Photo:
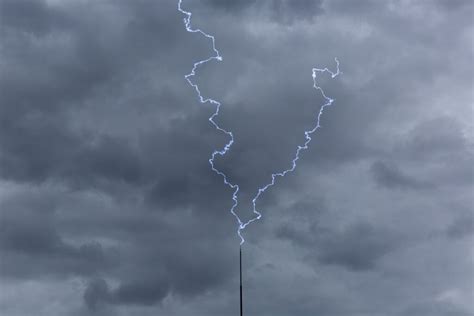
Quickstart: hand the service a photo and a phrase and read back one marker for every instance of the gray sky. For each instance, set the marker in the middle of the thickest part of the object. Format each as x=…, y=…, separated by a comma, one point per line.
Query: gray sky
x=109, y=207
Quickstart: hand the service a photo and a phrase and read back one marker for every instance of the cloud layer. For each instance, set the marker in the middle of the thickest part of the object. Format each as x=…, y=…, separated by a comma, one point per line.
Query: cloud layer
x=108, y=205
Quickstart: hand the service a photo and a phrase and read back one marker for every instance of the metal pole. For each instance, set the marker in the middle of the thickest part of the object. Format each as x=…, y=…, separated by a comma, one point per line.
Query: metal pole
x=240, y=259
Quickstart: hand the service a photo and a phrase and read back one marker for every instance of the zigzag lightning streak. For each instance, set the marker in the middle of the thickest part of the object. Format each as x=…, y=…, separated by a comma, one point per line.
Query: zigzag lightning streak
x=226, y=148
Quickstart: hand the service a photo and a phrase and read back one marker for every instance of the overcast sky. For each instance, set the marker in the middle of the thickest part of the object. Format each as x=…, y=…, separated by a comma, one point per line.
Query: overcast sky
x=108, y=204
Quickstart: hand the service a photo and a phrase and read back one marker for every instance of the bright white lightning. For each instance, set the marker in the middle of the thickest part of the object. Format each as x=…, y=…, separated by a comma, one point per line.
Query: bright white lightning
x=308, y=139
x=223, y=151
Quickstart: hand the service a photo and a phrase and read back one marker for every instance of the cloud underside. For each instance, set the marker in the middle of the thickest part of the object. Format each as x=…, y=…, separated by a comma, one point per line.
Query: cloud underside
x=108, y=205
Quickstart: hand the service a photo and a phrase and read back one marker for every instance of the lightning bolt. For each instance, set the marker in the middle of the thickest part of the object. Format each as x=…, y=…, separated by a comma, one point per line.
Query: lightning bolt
x=308, y=133
x=235, y=187
x=217, y=56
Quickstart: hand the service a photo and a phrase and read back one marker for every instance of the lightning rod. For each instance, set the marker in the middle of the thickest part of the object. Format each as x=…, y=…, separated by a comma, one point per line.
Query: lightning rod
x=240, y=260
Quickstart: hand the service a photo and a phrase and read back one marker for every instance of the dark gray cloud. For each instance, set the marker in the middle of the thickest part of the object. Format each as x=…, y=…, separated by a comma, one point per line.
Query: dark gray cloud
x=32, y=16
x=357, y=248
x=229, y=5
x=96, y=292
x=390, y=176
x=28, y=232
x=282, y=11
x=108, y=205
x=462, y=227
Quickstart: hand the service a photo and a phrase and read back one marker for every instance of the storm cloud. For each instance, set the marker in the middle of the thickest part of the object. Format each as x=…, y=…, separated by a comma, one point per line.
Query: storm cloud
x=108, y=205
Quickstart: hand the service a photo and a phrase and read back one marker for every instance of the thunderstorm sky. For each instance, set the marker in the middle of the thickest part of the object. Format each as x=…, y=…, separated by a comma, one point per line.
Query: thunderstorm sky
x=108, y=205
